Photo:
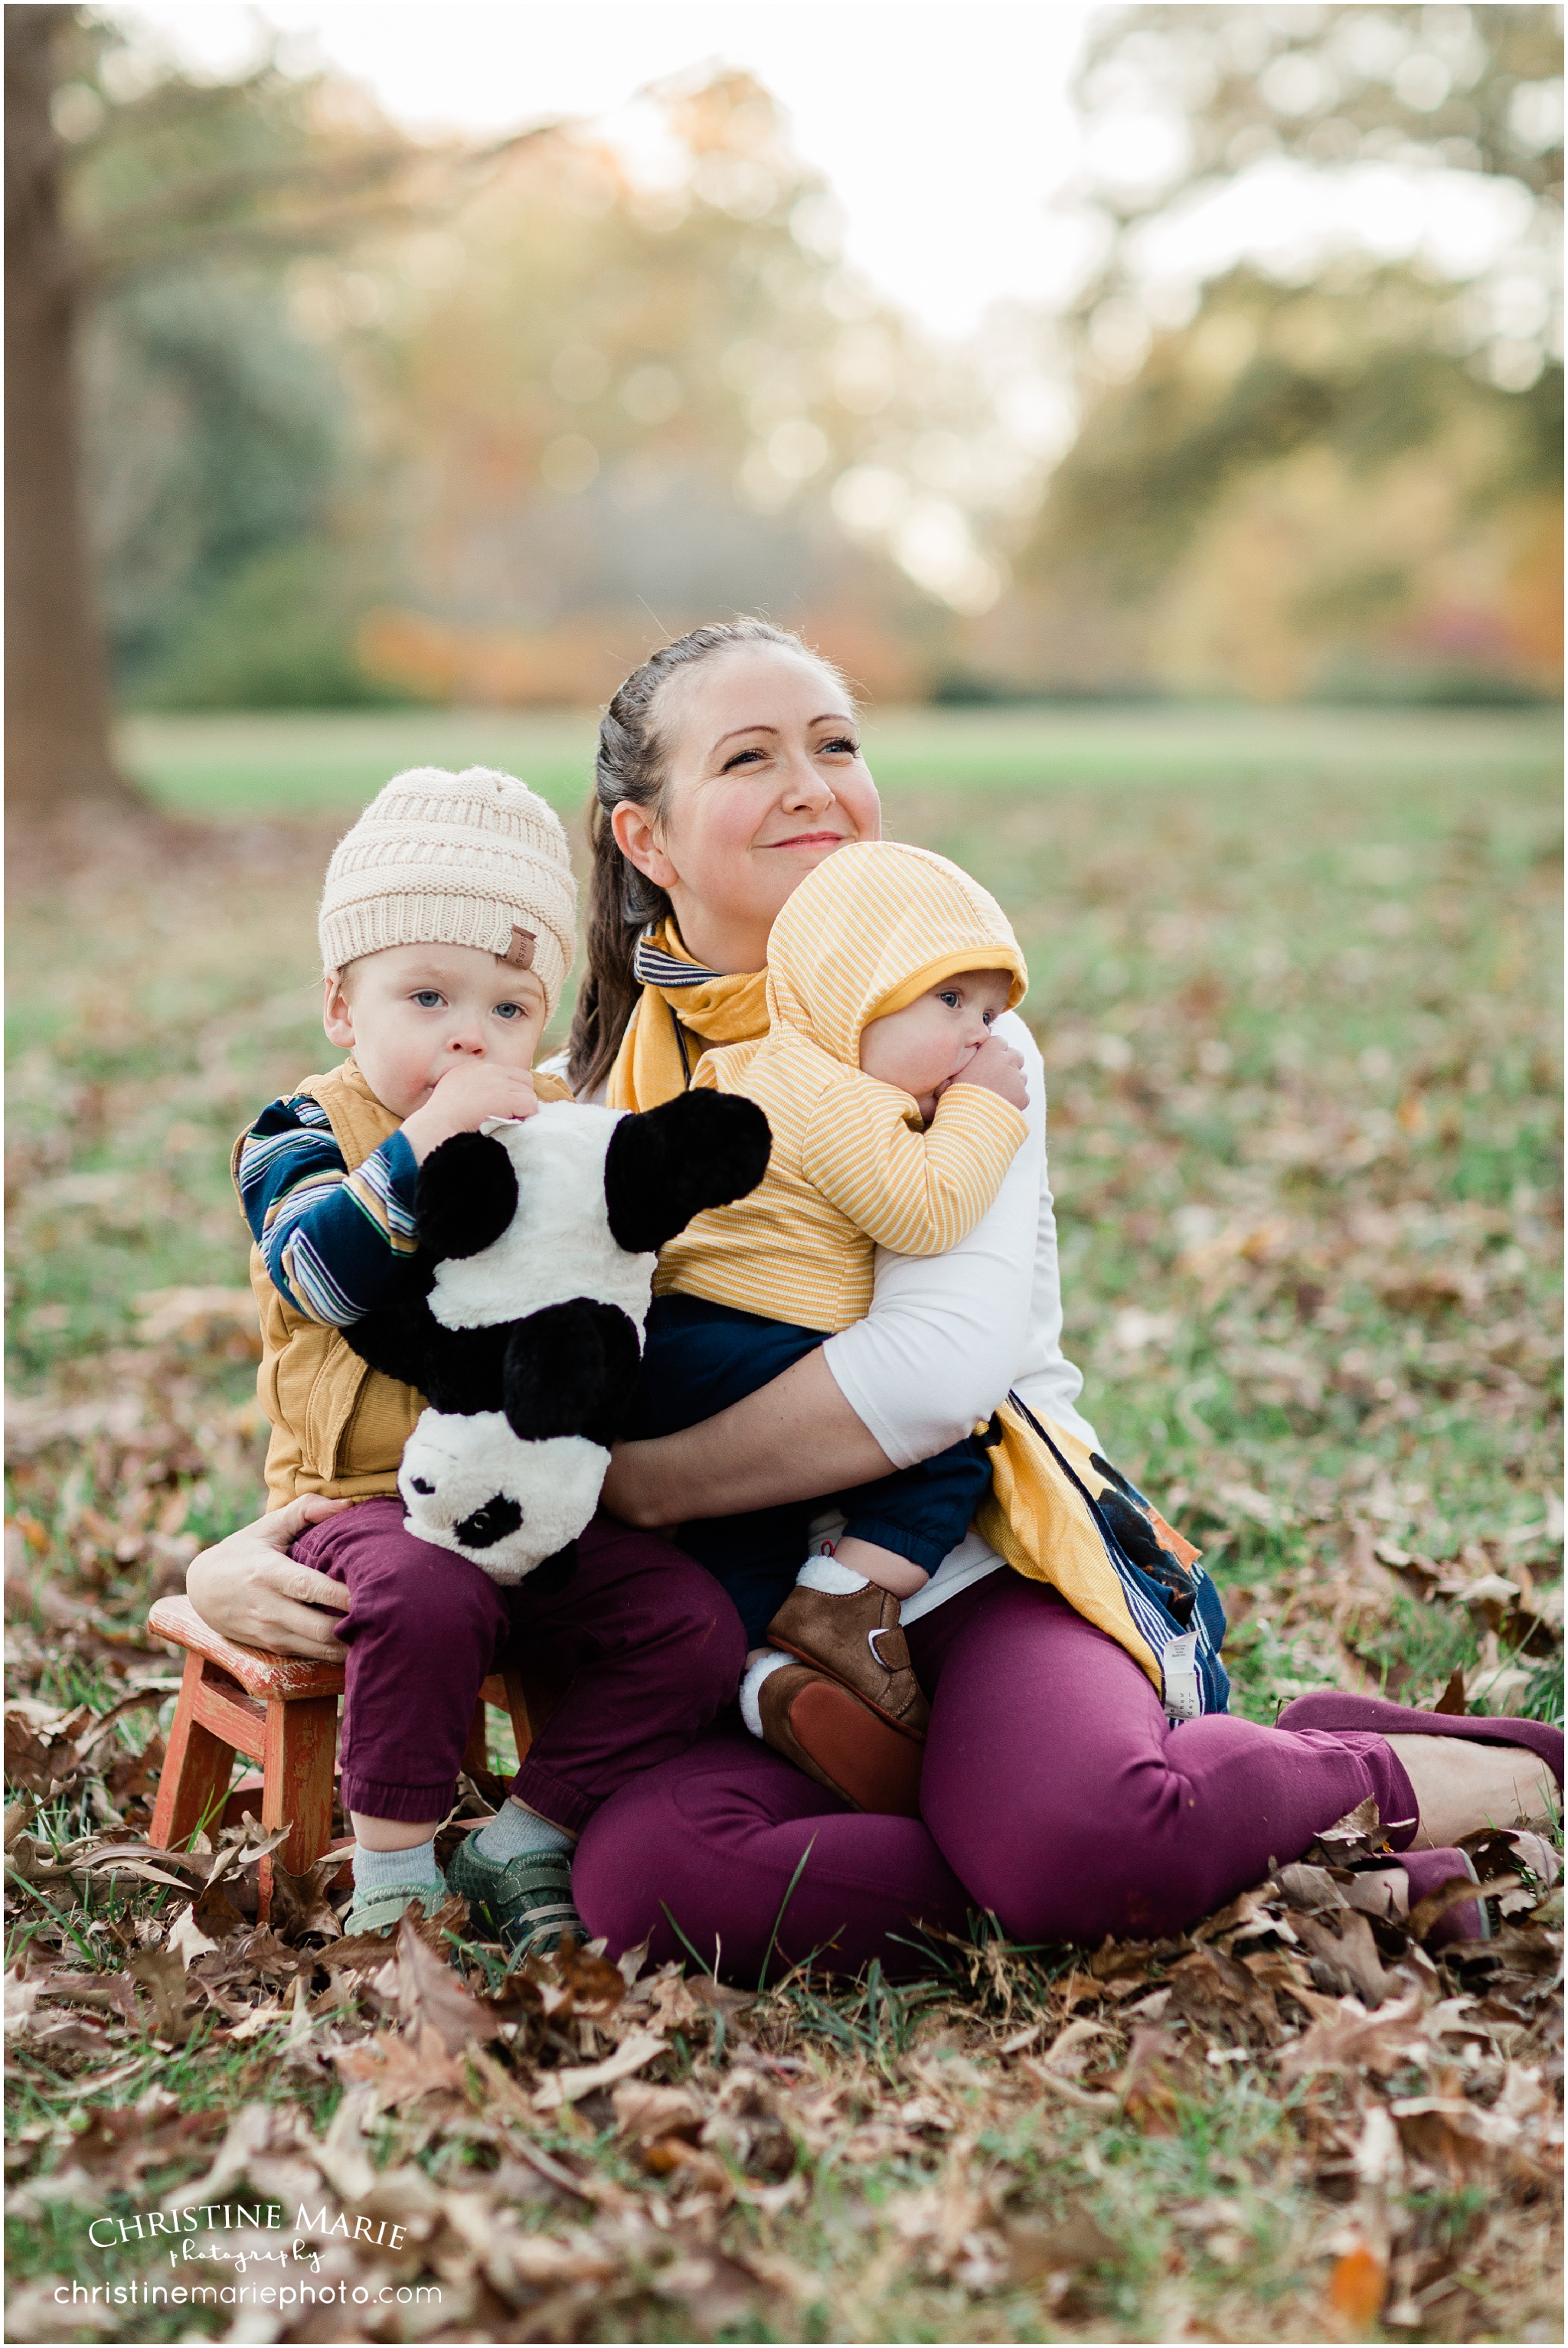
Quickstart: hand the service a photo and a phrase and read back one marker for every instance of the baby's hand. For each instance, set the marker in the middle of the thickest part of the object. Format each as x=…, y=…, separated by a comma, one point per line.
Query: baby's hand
x=997, y=1068
x=465, y=1097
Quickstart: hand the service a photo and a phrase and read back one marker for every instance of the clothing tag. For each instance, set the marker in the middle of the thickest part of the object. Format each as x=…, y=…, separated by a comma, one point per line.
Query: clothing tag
x=1178, y=1669
x=520, y=954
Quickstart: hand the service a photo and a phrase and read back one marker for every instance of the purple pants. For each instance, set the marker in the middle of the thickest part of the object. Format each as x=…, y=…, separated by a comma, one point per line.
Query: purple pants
x=1054, y=1793
x=644, y=1644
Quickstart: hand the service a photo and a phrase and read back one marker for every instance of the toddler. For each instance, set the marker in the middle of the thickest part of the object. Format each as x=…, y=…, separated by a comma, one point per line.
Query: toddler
x=894, y=1125
x=447, y=934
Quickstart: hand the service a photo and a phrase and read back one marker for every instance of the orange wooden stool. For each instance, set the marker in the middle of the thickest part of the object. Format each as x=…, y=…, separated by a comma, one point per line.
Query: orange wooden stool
x=282, y=1711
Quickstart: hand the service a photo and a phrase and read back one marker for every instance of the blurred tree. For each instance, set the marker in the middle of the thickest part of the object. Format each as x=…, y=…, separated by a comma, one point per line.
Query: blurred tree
x=128, y=180
x=614, y=402
x=1279, y=486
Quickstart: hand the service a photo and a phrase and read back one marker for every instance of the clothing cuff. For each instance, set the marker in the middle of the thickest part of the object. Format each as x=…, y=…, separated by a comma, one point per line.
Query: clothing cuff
x=551, y=1798
x=979, y=1108
x=397, y=1154
x=927, y=1554
x=409, y=1805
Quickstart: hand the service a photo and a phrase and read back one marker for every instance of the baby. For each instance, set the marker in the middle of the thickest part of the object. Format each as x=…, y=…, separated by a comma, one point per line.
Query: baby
x=447, y=934
x=894, y=1125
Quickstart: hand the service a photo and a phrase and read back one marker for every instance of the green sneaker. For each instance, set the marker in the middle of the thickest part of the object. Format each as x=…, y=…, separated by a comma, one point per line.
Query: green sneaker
x=526, y=1901
x=379, y=1911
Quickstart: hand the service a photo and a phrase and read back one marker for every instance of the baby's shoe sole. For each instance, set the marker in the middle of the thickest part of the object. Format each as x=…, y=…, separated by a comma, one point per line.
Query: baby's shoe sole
x=840, y=1742
x=378, y=1911
x=526, y=1903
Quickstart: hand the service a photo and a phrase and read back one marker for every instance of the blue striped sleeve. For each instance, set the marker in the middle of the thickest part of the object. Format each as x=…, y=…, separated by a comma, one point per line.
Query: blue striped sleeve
x=336, y=1244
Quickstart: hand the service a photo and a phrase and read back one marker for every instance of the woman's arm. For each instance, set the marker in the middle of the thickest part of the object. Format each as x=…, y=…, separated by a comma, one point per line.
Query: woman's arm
x=791, y=1440
x=945, y=1337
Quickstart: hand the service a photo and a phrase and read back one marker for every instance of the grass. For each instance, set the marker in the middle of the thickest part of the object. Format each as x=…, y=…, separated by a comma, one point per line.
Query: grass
x=1294, y=977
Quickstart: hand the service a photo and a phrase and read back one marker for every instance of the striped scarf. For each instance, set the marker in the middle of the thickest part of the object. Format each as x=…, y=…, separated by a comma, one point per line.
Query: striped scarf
x=684, y=1009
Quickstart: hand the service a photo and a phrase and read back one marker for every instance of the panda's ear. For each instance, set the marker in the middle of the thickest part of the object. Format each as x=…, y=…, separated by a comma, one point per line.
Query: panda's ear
x=701, y=1150
x=466, y=1195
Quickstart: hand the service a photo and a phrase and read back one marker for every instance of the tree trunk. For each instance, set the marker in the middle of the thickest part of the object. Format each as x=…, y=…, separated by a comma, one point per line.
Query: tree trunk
x=56, y=685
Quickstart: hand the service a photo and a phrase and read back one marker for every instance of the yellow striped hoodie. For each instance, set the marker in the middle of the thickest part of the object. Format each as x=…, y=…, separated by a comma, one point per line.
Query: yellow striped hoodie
x=852, y=1168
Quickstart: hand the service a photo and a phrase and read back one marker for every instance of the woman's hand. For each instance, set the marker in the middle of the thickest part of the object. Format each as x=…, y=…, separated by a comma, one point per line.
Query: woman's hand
x=249, y=1588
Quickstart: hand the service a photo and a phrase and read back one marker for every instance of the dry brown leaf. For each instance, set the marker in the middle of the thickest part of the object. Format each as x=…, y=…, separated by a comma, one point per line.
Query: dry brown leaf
x=1345, y=1955
x=1356, y=2039
x=431, y=1999
x=399, y=2072
x=646, y=2112
x=571, y=2084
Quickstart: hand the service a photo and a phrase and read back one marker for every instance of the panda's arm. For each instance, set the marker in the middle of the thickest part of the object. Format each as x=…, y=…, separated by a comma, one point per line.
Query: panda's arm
x=701, y=1150
x=395, y=1340
x=465, y=1197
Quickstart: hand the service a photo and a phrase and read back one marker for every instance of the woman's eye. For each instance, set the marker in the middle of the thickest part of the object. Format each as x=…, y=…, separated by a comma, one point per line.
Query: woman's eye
x=743, y=758
x=842, y=742
x=427, y=999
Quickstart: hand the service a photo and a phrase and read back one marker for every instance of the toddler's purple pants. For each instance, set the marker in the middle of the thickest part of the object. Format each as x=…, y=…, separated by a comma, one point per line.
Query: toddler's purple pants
x=643, y=1643
x=1054, y=1792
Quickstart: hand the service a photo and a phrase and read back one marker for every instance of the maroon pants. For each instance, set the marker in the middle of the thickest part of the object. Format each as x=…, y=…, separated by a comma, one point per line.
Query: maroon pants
x=644, y=1642
x=1054, y=1793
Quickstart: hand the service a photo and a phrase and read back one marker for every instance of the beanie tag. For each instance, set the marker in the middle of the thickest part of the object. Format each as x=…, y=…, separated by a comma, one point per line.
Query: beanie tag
x=520, y=954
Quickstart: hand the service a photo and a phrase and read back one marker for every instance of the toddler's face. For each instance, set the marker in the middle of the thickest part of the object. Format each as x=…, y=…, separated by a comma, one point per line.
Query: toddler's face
x=412, y=1013
x=928, y=1044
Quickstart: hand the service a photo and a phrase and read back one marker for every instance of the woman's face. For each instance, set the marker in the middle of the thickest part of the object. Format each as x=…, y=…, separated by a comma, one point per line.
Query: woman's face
x=765, y=779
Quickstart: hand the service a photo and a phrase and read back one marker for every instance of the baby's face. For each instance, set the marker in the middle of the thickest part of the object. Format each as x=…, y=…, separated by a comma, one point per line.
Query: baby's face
x=928, y=1044
x=411, y=1014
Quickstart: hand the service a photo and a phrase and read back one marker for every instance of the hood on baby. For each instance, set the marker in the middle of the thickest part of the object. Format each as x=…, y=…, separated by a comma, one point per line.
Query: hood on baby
x=873, y=926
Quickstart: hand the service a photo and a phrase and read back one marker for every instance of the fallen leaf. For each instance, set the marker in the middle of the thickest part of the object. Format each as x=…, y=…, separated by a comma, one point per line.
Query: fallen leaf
x=1356, y=2287
x=431, y=1999
x=1452, y=1698
x=1345, y=1955
x=398, y=2072
x=647, y=2112
x=569, y=2085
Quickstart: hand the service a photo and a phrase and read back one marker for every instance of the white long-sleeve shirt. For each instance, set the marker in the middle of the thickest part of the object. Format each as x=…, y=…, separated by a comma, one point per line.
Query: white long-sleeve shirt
x=948, y=1335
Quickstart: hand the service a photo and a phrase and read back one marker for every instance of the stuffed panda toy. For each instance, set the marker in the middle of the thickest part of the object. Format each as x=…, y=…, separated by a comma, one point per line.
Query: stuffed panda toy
x=538, y=1241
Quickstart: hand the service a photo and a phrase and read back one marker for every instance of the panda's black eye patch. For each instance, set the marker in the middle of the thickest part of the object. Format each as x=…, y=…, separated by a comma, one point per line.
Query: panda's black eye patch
x=420, y=1485
x=482, y=1530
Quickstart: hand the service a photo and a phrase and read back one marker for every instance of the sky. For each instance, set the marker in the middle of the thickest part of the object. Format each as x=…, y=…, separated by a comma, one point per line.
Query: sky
x=946, y=127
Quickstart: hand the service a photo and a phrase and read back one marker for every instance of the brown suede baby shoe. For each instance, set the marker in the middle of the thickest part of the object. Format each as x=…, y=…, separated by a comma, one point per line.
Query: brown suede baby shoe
x=831, y=1735
x=857, y=1638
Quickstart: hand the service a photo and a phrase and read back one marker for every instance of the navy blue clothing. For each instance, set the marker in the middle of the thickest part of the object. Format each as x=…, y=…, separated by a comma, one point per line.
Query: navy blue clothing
x=699, y=1358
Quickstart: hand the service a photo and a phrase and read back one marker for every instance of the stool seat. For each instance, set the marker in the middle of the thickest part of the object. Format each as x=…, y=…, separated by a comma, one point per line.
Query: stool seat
x=259, y=1672
x=282, y=1711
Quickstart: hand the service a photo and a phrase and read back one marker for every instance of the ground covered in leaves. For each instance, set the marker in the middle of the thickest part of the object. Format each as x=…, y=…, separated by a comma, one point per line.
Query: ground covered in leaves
x=1302, y=1054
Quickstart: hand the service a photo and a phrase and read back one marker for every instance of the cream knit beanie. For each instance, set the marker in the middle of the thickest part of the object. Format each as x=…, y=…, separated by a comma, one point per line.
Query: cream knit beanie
x=443, y=860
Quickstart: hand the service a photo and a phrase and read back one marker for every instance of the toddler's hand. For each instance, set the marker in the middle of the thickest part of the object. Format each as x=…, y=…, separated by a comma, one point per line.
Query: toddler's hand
x=465, y=1095
x=997, y=1068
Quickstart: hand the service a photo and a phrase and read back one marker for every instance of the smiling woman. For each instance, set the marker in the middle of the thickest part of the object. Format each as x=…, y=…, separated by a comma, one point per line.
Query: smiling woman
x=761, y=782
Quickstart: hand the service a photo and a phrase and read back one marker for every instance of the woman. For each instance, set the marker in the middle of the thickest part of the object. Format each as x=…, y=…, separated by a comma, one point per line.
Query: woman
x=1053, y=1791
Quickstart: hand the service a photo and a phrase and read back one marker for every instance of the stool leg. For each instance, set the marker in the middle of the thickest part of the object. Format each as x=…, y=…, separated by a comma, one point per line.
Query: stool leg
x=517, y=1705
x=301, y=1737
x=195, y=1774
x=476, y=1751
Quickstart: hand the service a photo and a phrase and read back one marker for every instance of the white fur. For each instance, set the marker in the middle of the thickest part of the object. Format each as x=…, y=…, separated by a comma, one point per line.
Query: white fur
x=751, y=1687
x=469, y=1459
x=827, y=1573
x=558, y=1244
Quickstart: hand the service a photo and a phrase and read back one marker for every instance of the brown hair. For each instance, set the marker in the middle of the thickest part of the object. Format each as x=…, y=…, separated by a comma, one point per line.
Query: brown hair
x=631, y=764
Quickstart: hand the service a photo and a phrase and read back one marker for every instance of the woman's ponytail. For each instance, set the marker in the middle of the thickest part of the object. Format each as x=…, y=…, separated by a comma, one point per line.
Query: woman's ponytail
x=631, y=764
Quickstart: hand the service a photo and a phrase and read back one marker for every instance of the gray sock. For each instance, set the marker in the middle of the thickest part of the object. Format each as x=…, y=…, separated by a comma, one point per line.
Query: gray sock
x=374, y=1870
x=513, y=1830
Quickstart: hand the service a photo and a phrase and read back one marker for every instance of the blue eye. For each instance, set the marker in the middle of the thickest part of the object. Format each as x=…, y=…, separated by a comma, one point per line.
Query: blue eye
x=508, y=1011
x=951, y=996
x=429, y=999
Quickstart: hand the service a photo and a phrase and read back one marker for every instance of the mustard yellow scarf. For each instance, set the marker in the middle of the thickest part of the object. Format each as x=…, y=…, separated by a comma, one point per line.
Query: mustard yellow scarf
x=684, y=1009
